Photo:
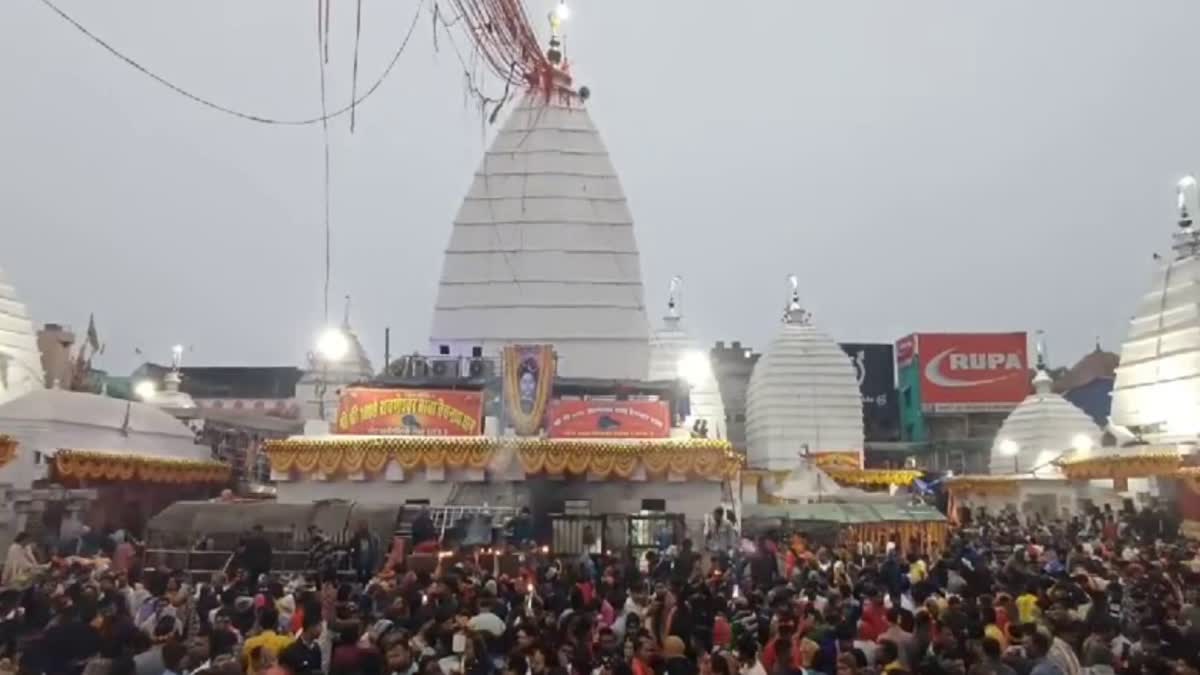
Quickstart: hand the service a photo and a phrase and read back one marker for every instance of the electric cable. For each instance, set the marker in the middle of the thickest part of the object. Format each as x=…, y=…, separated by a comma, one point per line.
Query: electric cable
x=250, y=117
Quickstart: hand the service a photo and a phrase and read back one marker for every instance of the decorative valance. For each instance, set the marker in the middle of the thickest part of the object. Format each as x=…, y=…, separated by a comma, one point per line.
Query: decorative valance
x=983, y=485
x=873, y=477
x=1141, y=464
x=90, y=465
x=691, y=457
x=8, y=449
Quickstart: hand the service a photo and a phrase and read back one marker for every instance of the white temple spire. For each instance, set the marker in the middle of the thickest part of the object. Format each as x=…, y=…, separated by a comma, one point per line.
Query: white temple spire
x=542, y=250
x=794, y=313
x=674, y=299
x=1186, y=238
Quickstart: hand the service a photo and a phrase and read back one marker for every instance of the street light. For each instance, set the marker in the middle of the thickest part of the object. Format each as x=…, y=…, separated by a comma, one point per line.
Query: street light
x=1010, y=447
x=562, y=12
x=694, y=367
x=145, y=390
x=1081, y=443
x=333, y=345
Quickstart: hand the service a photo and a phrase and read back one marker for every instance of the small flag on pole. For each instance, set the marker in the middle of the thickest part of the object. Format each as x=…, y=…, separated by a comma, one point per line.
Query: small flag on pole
x=93, y=337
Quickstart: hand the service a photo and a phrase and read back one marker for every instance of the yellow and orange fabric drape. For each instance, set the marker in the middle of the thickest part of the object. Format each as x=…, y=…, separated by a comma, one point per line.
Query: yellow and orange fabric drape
x=372, y=455
x=982, y=485
x=929, y=536
x=8, y=449
x=693, y=457
x=846, y=468
x=83, y=465
x=1140, y=465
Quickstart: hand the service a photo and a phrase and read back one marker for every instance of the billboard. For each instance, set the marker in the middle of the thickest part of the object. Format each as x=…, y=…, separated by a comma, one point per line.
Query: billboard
x=875, y=366
x=969, y=372
x=608, y=419
x=410, y=412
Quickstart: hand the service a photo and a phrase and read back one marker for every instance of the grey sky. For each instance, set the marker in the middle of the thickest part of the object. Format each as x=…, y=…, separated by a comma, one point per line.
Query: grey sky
x=931, y=165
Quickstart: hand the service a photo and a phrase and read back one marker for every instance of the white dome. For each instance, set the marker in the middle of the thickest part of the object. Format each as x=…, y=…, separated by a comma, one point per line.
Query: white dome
x=49, y=420
x=1157, y=389
x=20, y=360
x=93, y=410
x=674, y=354
x=1042, y=428
x=543, y=251
x=803, y=393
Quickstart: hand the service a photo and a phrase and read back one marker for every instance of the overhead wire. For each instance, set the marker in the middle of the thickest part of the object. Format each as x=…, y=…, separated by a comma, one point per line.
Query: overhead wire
x=322, y=60
x=250, y=117
x=354, y=76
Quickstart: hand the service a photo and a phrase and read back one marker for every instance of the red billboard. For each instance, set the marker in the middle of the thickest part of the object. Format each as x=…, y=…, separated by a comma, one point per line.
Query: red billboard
x=962, y=372
x=410, y=412
x=608, y=419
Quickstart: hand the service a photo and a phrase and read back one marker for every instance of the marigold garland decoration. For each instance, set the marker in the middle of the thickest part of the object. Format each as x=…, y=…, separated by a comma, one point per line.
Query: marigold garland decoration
x=982, y=485
x=8, y=449
x=873, y=477
x=704, y=458
x=83, y=465
x=1140, y=465
x=828, y=461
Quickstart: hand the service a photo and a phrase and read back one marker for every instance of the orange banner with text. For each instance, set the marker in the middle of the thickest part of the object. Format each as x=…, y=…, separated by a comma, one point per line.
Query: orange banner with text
x=608, y=419
x=410, y=412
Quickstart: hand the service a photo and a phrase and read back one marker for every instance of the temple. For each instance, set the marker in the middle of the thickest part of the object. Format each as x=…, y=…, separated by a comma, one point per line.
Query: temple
x=542, y=250
x=675, y=354
x=538, y=389
x=1025, y=468
x=1156, y=395
x=803, y=396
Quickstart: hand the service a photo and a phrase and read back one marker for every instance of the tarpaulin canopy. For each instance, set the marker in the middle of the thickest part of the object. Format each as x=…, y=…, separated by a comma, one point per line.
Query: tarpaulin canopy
x=290, y=522
x=844, y=513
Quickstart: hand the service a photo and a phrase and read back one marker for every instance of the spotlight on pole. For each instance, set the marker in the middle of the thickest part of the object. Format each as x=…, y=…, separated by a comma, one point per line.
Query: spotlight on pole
x=145, y=390
x=333, y=345
x=694, y=367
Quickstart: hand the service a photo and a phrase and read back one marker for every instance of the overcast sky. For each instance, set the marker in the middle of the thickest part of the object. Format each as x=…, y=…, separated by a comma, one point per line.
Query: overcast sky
x=922, y=166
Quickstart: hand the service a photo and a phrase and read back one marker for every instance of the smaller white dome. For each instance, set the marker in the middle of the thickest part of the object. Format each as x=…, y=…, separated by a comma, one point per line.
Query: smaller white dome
x=803, y=394
x=674, y=354
x=1042, y=428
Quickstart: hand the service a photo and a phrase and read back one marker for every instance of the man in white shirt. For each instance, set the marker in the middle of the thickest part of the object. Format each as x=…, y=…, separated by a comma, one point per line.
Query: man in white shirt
x=486, y=620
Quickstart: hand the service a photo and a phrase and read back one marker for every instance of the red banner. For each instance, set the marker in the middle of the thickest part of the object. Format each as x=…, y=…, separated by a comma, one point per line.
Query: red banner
x=410, y=412
x=608, y=419
x=973, y=371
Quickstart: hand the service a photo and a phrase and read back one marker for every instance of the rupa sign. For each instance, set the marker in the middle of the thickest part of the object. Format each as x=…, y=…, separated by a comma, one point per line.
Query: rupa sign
x=964, y=372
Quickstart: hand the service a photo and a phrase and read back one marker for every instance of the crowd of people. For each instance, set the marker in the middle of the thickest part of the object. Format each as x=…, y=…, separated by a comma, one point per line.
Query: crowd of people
x=1102, y=594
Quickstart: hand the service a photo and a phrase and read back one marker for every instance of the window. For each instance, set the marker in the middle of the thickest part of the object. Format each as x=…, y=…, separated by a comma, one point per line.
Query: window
x=444, y=350
x=739, y=418
x=476, y=352
x=577, y=507
x=659, y=505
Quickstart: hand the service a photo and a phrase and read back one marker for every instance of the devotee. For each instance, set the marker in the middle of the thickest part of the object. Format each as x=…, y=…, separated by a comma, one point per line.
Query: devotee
x=995, y=600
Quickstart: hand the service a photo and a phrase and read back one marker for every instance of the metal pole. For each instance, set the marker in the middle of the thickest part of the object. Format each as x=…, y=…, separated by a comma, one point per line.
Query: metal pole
x=387, y=351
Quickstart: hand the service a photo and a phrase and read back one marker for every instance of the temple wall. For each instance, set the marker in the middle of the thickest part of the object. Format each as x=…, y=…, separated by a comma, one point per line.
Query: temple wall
x=367, y=492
